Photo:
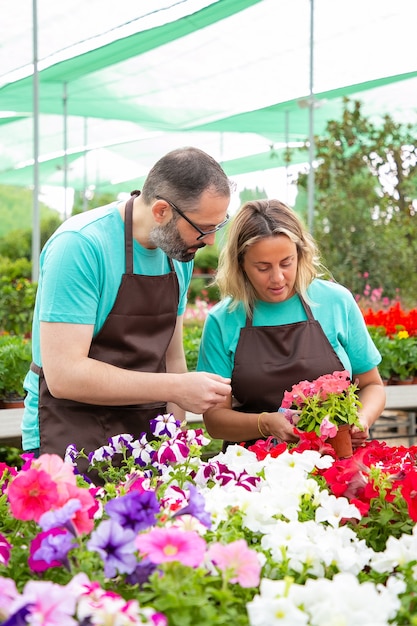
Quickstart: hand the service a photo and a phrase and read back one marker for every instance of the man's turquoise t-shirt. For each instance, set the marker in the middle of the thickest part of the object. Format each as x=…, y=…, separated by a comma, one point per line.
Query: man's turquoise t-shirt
x=81, y=267
x=332, y=305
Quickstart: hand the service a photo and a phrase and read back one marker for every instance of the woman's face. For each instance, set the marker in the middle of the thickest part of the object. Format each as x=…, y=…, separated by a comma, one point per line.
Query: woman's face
x=271, y=267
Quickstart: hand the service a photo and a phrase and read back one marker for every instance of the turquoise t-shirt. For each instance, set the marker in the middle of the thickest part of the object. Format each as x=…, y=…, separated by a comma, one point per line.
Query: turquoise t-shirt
x=81, y=267
x=332, y=305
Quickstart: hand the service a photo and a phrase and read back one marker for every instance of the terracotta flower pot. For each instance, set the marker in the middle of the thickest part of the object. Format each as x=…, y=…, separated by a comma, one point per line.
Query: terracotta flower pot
x=12, y=403
x=342, y=442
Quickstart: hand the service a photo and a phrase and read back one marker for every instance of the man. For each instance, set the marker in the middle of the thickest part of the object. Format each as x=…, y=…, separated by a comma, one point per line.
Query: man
x=107, y=332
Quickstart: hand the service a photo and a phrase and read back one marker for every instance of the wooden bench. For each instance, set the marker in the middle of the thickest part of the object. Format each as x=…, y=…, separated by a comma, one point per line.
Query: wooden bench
x=397, y=421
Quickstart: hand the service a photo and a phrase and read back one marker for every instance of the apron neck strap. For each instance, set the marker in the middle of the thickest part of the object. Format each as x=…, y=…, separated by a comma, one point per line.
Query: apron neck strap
x=310, y=317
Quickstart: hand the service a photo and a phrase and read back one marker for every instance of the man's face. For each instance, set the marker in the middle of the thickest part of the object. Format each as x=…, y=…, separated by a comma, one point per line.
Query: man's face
x=168, y=238
x=178, y=238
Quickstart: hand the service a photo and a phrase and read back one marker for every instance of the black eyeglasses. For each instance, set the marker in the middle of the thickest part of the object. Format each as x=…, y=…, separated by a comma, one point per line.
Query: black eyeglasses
x=197, y=228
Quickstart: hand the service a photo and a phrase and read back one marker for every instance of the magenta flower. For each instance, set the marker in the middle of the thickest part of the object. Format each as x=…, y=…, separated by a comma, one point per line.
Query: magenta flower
x=173, y=451
x=5, y=550
x=162, y=545
x=237, y=561
x=50, y=549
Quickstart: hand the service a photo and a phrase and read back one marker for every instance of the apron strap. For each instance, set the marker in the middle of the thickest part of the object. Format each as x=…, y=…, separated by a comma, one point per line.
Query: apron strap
x=129, y=232
x=35, y=368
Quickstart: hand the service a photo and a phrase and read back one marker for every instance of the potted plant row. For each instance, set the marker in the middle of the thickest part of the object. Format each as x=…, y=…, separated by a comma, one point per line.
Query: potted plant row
x=399, y=355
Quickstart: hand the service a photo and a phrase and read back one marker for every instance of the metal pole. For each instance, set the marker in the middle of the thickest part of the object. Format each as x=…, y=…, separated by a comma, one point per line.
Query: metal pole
x=65, y=103
x=311, y=126
x=36, y=231
x=85, y=201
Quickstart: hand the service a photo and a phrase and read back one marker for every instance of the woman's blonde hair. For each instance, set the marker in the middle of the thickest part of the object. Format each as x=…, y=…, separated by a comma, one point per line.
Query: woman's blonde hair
x=254, y=221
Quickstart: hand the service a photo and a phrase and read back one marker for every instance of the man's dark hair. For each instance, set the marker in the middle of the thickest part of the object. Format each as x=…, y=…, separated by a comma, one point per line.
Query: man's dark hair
x=183, y=175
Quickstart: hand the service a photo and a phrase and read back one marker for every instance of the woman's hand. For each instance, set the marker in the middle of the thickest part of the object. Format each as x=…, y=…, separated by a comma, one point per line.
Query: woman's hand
x=277, y=425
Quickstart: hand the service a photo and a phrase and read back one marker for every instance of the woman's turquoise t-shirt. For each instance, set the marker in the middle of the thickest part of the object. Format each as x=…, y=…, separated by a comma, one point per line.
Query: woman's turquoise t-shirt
x=332, y=305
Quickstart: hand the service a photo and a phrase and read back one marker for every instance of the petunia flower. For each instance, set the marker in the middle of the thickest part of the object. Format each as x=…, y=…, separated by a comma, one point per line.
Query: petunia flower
x=5, y=550
x=164, y=425
x=171, y=452
x=116, y=547
x=50, y=549
x=237, y=561
x=162, y=545
x=327, y=428
x=135, y=510
x=31, y=494
x=8, y=594
x=45, y=604
x=196, y=507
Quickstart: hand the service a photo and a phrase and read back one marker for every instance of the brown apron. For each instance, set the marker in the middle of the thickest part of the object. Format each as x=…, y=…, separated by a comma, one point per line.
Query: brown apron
x=135, y=336
x=271, y=359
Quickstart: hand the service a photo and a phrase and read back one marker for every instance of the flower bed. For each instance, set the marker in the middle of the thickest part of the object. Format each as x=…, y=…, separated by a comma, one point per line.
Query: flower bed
x=394, y=332
x=270, y=535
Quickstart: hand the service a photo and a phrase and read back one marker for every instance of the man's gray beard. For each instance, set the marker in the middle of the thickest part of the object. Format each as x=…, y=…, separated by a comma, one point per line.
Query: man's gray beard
x=170, y=241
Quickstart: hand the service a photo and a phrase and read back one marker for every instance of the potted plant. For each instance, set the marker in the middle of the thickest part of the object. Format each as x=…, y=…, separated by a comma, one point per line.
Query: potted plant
x=326, y=406
x=15, y=359
x=403, y=349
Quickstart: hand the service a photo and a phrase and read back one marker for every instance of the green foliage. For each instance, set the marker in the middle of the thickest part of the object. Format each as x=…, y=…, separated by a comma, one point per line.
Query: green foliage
x=15, y=359
x=252, y=194
x=364, y=188
x=17, y=243
x=81, y=203
x=16, y=212
x=17, y=300
x=20, y=268
x=192, y=338
x=207, y=258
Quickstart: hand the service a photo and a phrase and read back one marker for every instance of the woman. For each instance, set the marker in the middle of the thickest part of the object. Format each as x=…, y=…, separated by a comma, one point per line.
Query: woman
x=279, y=323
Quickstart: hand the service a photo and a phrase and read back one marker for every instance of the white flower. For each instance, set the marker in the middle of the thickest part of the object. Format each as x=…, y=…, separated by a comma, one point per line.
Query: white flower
x=333, y=510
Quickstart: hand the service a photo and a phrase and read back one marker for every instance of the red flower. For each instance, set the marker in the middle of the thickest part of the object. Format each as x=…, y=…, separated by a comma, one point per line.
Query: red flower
x=409, y=491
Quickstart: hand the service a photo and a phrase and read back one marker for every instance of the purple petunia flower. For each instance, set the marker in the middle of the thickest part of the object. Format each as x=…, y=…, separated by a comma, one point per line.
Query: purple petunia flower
x=164, y=425
x=61, y=517
x=141, y=573
x=196, y=507
x=116, y=547
x=105, y=453
x=135, y=510
x=120, y=442
x=142, y=451
x=50, y=549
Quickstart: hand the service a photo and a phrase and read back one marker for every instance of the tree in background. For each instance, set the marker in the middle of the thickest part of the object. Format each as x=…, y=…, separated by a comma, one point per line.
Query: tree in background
x=365, y=203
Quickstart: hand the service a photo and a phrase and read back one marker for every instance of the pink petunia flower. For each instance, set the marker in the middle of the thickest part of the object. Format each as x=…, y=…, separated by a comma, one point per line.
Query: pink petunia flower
x=162, y=545
x=327, y=428
x=31, y=494
x=238, y=561
x=8, y=593
x=49, y=604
